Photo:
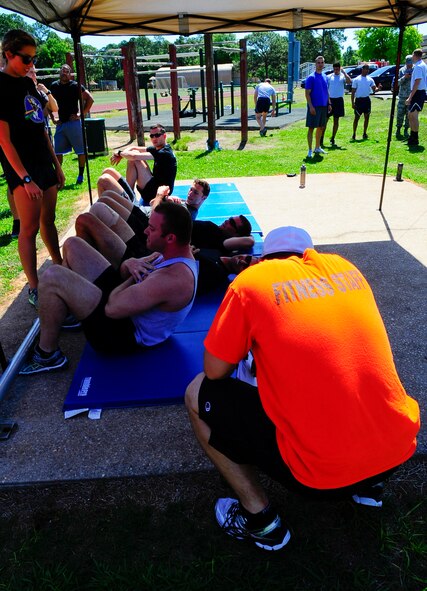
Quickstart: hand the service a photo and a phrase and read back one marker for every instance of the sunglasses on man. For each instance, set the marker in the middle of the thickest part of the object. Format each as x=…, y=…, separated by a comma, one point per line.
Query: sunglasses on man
x=27, y=59
x=156, y=134
x=233, y=223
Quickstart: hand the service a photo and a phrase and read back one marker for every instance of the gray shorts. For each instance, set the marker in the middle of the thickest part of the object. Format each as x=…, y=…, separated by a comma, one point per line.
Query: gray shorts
x=69, y=136
x=317, y=120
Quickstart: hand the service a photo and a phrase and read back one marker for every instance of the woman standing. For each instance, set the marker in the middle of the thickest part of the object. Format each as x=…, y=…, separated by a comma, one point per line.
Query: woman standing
x=32, y=170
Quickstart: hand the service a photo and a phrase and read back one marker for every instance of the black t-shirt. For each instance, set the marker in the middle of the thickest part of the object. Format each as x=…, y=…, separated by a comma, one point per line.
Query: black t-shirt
x=67, y=97
x=22, y=108
x=164, y=168
x=207, y=235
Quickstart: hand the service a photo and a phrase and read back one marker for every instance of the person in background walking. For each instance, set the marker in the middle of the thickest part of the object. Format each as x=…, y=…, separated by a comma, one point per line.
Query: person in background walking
x=264, y=97
x=361, y=89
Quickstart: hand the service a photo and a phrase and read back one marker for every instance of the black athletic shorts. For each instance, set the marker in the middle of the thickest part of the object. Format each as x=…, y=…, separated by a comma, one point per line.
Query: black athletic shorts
x=138, y=221
x=417, y=101
x=109, y=335
x=242, y=432
x=337, y=109
x=262, y=105
x=149, y=191
x=43, y=175
x=362, y=105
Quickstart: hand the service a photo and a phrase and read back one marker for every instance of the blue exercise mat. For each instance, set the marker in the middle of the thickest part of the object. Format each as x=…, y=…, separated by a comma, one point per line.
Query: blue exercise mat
x=153, y=376
x=158, y=375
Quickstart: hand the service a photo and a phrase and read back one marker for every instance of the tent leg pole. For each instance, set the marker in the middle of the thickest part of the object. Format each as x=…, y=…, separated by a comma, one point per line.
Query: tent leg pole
x=79, y=61
x=16, y=362
x=393, y=107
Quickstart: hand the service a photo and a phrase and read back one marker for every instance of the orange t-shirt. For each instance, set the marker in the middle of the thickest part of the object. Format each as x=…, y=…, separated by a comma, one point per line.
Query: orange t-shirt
x=325, y=369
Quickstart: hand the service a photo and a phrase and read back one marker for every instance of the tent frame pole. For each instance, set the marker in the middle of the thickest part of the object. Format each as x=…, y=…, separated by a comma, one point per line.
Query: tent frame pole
x=78, y=55
x=392, y=110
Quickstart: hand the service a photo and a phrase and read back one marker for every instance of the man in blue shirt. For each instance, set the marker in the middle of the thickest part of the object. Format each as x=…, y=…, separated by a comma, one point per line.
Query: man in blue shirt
x=316, y=94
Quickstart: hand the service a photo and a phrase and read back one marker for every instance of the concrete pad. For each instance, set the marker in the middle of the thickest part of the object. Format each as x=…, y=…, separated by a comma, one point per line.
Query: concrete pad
x=341, y=213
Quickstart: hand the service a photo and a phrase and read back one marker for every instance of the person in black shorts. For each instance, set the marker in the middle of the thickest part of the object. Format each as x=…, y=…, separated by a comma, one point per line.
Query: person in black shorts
x=264, y=98
x=361, y=89
x=32, y=170
x=138, y=306
x=336, y=87
x=138, y=171
x=417, y=96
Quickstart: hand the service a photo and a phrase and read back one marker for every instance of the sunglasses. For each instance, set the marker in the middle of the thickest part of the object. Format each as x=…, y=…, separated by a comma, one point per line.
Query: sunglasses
x=156, y=134
x=232, y=223
x=27, y=59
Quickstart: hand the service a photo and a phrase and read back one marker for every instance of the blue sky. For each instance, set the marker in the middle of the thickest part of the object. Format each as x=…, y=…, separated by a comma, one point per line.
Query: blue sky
x=103, y=40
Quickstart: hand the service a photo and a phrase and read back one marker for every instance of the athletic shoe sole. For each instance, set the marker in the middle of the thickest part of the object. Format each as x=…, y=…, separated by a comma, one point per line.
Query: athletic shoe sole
x=34, y=367
x=277, y=546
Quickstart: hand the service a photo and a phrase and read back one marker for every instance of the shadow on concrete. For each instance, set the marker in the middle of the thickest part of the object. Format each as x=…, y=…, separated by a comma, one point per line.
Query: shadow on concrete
x=153, y=441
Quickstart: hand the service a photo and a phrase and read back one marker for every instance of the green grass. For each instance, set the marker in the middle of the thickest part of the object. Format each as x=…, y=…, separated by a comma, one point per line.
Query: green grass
x=281, y=152
x=285, y=150
x=128, y=535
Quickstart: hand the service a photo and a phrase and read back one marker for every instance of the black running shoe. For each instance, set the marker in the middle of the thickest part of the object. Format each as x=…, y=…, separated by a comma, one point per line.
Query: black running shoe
x=272, y=537
x=71, y=323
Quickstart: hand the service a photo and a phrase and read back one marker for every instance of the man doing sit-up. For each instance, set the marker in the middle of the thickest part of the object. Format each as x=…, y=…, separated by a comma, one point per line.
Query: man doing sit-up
x=140, y=306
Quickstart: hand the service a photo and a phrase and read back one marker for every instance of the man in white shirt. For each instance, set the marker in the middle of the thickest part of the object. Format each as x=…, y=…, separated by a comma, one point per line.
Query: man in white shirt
x=417, y=96
x=264, y=97
x=360, y=99
x=336, y=87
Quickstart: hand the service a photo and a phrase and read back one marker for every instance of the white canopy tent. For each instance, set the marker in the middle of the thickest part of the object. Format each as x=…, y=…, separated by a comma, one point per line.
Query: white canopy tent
x=182, y=17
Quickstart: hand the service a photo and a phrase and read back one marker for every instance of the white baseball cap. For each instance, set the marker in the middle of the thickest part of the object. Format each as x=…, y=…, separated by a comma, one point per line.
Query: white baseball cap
x=286, y=239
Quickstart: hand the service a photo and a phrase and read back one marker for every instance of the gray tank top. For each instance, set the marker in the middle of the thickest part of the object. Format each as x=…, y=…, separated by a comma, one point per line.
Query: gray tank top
x=155, y=326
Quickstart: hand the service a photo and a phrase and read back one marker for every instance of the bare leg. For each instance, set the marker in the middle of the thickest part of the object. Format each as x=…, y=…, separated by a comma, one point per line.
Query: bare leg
x=48, y=230
x=366, y=123
x=62, y=290
x=335, y=127
x=310, y=137
x=29, y=214
x=138, y=172
x=93, y=231
x=242, y=478
x=355, y=123
x=107, y=182
x=12, y=205
x=113, y=220
x=319, y=135
x=120, y=204
x=414, y=121
x=82, y=160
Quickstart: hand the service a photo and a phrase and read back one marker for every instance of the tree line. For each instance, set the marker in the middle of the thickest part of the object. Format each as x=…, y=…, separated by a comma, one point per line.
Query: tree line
x=267, y=51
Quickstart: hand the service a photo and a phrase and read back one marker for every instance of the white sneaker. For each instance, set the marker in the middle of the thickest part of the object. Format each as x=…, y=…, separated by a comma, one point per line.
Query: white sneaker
x=310, y=154
x=319, y=151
